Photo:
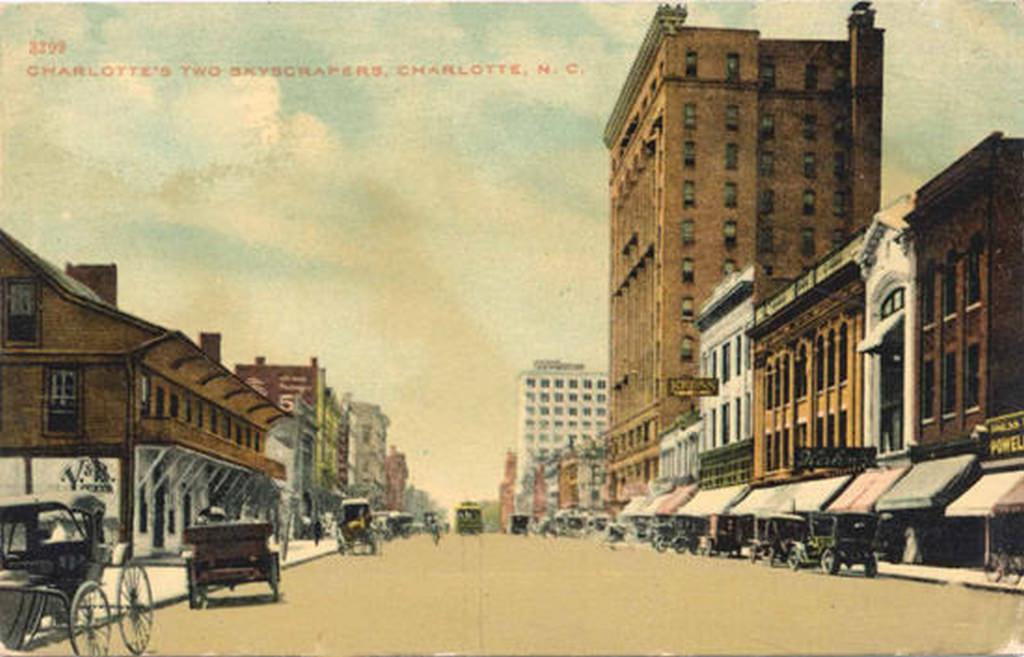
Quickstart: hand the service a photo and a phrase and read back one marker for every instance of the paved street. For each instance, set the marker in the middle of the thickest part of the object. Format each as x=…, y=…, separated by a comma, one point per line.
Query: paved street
x=508, y=595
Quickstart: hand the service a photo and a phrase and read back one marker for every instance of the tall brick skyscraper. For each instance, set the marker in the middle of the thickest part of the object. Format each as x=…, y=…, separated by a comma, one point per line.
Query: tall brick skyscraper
x=726, y=149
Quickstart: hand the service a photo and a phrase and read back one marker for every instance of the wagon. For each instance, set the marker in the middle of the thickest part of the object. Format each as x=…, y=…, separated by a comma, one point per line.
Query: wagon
x=52, y=560
x=228, y=554
x=356, y=531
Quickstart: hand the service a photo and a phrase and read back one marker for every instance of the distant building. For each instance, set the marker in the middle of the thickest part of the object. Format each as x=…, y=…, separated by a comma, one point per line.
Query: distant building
x=507, y=490
x=396, y=474
x=558, y=403
x=368, y=436
x=726, y=150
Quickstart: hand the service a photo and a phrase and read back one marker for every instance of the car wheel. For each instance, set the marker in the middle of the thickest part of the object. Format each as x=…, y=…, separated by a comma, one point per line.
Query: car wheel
x=829, y=562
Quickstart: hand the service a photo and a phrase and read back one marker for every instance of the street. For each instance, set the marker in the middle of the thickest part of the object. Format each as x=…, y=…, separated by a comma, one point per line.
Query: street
x=513, y=595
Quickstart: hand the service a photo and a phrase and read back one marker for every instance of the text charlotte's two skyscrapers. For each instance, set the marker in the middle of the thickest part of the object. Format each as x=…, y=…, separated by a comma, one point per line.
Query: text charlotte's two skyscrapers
x=726, y=150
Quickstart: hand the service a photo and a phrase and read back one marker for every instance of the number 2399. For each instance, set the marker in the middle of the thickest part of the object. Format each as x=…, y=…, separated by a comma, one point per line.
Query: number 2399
x=47, y=47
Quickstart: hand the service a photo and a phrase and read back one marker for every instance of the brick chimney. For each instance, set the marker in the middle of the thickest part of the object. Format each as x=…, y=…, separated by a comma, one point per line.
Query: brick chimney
x=101, y=279
x=210, y=344
x=261, y=360
x=313, y=362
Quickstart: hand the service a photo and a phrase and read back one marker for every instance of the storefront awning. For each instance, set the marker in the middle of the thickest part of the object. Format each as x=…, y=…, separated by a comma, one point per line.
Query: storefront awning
x=651, y=508
x=715, y=500
x=873, y=340
x=772, y=499
x=676, y=499
x=815, y=495
x=932, y=484
x=860, y=496
x=984, y=497
x=635, y=506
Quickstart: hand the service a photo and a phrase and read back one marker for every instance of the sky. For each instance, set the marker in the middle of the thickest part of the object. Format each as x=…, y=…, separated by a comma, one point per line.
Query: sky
x=427, y=237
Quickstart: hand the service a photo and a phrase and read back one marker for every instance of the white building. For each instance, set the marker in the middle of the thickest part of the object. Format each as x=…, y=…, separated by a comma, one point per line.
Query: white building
x=889, y=348
x=557, y=403
x=680, y=446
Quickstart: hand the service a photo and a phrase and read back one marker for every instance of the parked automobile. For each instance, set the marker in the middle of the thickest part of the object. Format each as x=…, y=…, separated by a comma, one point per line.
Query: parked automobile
x=519, y=524
x=726, y=534
x=835, y=540
x=689, y=530
x=774, y=536
x=228, y=554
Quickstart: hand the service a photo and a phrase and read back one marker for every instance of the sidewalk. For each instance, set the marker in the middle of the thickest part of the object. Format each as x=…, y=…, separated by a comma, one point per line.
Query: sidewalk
x=971, y=578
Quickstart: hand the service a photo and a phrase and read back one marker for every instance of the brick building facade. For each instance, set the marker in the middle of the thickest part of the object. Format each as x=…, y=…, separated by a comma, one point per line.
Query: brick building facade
x=726, y=150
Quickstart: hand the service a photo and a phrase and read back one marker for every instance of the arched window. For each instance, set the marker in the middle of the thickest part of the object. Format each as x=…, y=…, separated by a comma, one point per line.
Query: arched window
x=800, y=372
x=768, y=383
x=974, y=270
x=785, y=379
x=819, y=364
x=892, y=303
x=778, y=383
x=844, y=357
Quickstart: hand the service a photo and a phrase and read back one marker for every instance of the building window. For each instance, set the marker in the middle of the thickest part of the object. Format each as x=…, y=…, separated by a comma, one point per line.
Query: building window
x=839, y=204
x=732, y=117
x=545, y=383
x=687, y=270
x=689, y=115
x=530, y=383
x=739, y=354
x=146, y=396
x=726, y=367
x=725, y=423
x=767, y=75
x=730, y=195
x=732, y=154
x=949, y=285
x=808, y=204
x=810, y=129
x=892, y=303
x=62, y=401
x=691, y=64
x=842, y=428
x=767, y=126
x=800, y=372
x=928, y=390
x=841, y=79
x=686, y=349
x=949, y=382
x=785, y=379
x=214, y=426
x=839, y=165
x=22, y=312
x=810, y=169
x=686, y=231
x=728, y=267
x=559, y=383
x=174, y=405
x=687, y=307
x=766, y=202
x=838, y=237
x=732, y=67
x=766, y=163
x=765, y=239
x=807, y=242
x=831, y=358
x=843, y=353
x=689, y=197
x=972, y=381
x=729, y=231
x=188, y=410
x=159, y=410
x=974, y=271
x=810, y=77
x=928, y=294
x=840, y=129
x=819, y=364
x=689, y=154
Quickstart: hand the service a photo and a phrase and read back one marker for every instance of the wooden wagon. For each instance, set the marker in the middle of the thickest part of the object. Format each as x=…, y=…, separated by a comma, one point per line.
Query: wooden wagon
x=228, y=554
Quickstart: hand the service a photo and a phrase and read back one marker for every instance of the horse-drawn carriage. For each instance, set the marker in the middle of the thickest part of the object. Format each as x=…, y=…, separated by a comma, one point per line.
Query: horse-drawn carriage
x=52, y=559
x=356, y=532
x=228, y=554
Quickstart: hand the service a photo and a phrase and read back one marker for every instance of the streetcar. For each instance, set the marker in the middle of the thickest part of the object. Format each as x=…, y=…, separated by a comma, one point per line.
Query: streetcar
x=469, y=518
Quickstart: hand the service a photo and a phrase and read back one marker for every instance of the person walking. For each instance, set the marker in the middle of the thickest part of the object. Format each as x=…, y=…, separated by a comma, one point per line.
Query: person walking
x=318, y=531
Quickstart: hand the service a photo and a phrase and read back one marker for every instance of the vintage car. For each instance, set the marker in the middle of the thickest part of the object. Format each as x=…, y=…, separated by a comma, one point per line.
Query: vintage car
x=469, y=518
x=519, y=524
x=726, y=534
x=227, y=554
x=400, y=524
x=599, y=522
x=774, y=536
x=356, y=533
x=52, y=558
x=663, y=532
x=835, y=540
x=689, y=530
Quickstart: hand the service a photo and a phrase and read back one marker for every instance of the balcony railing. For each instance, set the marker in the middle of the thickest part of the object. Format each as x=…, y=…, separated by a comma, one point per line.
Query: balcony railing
x=175, y=432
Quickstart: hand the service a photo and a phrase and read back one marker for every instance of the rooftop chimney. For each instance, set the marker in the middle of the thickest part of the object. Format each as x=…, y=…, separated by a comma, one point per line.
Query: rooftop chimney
x=210, y=344
x=313, y=362
x=101, y=279
x=261, y=360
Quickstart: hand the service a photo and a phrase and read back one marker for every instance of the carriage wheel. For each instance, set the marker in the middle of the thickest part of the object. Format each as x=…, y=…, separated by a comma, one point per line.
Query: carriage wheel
x=829, y=562
x=90, y=621
x=135, y=605
x=794, y=559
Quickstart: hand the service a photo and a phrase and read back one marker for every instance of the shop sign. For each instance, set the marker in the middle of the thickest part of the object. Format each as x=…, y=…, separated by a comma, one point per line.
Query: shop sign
x=89, y=475
x=693, y=387
x=843, y=458
x=1006, y=435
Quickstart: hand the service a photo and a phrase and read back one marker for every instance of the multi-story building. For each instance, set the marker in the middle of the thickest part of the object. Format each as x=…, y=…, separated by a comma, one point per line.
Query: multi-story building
x=507, y=490
x=558, y=404
x=727, y=448
x=808, y=376
x=680, y=450
x=98, y=400
x=368, y=436
x=396, y=475
x=292, y=440
x=568, y=479
x=727, y=150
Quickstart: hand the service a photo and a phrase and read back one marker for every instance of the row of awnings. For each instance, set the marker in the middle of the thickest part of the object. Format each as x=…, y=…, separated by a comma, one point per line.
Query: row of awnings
x=950, y=483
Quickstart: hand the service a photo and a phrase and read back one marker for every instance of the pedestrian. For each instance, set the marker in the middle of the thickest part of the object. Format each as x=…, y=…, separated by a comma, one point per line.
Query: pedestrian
x=318, y=531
